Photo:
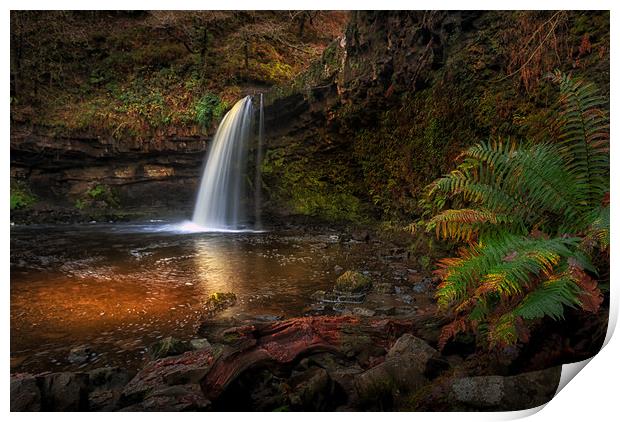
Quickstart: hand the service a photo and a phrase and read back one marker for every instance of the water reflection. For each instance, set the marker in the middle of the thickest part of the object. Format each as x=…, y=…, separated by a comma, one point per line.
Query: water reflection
x=119, y=289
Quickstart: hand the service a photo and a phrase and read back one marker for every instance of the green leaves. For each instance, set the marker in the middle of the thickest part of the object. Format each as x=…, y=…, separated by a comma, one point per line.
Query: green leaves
x=549, y=299
x=209, y=109
x=535, y=213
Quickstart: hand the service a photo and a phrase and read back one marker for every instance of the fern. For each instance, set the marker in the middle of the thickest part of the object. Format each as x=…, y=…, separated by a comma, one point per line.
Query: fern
x=535, y=214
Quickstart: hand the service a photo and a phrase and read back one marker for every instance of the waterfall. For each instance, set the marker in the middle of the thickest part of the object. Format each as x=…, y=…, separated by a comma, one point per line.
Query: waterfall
x=259, y=161
x=219, y=202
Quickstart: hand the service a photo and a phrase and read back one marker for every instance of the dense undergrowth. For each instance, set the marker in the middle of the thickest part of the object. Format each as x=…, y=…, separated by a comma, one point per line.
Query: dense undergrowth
x=152, y=74
x=491, y=83
x=533, y=218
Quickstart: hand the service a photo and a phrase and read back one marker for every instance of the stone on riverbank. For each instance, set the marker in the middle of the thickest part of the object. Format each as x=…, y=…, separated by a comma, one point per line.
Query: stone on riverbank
x=353, y=282
x=25, y=394
x=168, y=346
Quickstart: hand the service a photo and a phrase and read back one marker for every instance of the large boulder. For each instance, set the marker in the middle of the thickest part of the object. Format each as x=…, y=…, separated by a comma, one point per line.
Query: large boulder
x=523, y=391
x=175, y=398
x=312, y=390
x=352, y=282
x=25, y=394
x=415, y=349
x=403, y=372
x=187, y=368
x=383, y=384
x=105, y=387
x=64, y=391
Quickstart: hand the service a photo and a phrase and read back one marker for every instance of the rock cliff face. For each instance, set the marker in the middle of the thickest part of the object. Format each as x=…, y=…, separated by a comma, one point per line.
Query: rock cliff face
x=397, y=97
x=162, y=173
x=360, y=133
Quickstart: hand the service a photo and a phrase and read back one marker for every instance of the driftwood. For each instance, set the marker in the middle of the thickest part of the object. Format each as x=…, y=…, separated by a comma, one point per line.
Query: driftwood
x=284, y=342
x=278, y=343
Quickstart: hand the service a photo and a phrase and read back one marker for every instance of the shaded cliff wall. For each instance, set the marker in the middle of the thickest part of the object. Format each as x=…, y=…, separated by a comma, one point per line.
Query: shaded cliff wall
x=151, y=173
x=397, y=98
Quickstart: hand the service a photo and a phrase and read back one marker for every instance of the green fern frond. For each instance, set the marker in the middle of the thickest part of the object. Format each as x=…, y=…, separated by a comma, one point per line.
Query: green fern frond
x=534, y=213
x=584, y=142
x=549, y=299
x=464, y=224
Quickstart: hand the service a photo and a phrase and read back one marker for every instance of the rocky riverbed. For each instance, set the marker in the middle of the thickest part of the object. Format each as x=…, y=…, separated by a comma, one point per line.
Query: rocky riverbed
x=309, y=363
x=361, y=345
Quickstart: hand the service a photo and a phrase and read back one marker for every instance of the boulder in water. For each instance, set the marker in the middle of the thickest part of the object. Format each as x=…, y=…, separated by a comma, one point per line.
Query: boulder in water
x=353, y=282
x=219, y=301
x=79, y=354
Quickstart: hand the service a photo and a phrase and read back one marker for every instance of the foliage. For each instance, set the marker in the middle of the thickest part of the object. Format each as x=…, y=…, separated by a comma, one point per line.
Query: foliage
x=21, y=197
x=144, y=74
x=533, y=218
x=321, y=188
x=98, y=195
x=210, y=109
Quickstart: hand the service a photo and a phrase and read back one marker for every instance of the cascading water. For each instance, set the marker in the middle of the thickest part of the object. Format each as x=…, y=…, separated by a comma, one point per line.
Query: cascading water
x=258, y=224
x=219, y=203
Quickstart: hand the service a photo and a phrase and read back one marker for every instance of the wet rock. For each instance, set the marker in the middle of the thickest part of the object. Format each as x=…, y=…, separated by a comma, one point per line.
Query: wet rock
x=109, y=378
x=403, y=371
x=316, y=309
x=25, y=394
x=168, y=346
x=266, y=318
x=516, y=392
x=360, y=235
x=415, y=348
x=64, y=391
x=220, y=301
x=363, y=312
x=385, y=310
x=173, y=399
x=319, y=295
x=158, y=374
x=423, y=286
x=384, y=288
x=199, y=343
x=106, y=386
x=479, y=391
x=382, y=384
x=80, y=354
x=312, y=390
x=405, y=311
x=353, y=282
x=408, y=299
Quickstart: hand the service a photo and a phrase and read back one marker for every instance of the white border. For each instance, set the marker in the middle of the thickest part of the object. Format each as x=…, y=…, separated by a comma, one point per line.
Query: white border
x=591, y=395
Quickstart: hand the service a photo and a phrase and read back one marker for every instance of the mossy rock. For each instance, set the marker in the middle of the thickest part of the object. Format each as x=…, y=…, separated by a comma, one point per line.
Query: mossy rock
x=168, y=346
x=353, y=282
x=219, y=301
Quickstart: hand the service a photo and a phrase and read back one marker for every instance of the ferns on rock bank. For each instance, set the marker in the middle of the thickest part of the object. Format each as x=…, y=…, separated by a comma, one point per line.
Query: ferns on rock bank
x=535, y=216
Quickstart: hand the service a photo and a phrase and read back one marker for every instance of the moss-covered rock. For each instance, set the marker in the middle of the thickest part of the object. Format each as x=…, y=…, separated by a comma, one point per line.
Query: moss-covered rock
x=168, y=346
x=219, y=301
x=353, y=282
